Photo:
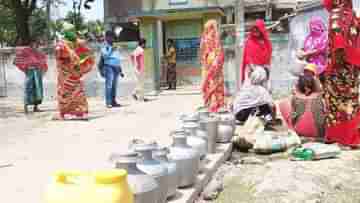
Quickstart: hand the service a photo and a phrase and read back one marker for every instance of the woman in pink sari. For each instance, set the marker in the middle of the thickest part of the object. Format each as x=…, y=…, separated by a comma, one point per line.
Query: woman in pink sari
x=315, y=46
x=212, y=59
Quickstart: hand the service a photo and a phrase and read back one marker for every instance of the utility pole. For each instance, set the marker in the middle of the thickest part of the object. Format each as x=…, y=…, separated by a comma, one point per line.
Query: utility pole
x=77, y=13
x=48, y=16
x=240, y=34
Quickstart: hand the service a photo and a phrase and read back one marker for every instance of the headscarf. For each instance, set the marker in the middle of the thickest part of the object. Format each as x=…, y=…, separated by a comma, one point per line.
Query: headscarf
x=253, y=94
x=30, y=57
x=69, y=32
x=255, y=51
x=311, y=67
x=329, y=4
x=210, y=43
x=258, y=77
x=342, y=40
x=317, y=26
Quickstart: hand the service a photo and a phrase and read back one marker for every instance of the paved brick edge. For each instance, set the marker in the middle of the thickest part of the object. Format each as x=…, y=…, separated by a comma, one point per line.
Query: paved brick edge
x=189, y=195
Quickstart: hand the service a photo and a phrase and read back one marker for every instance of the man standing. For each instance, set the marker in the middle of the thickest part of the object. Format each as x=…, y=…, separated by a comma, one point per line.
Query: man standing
x=112, y=67
x=34, y=64
x=171, y=60
x=137, y=58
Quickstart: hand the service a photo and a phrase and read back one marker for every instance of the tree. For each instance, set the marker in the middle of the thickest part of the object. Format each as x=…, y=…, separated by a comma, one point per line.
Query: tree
x=38, y=24
x=7, y=27
x=22, y=17
x=75, y=19
x=96, y=28
x=22, y=12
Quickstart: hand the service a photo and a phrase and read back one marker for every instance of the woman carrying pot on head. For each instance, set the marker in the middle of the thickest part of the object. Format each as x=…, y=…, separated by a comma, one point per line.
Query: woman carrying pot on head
x=257, y=52
x=254, y=99
x=212, y=61
x=73, y=59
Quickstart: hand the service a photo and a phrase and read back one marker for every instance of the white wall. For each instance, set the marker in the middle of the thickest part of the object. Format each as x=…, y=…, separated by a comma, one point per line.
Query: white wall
x=94, y=83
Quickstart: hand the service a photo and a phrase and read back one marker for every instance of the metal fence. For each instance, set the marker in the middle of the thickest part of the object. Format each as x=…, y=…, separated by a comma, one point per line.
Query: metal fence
x=4, y=60
x=356, y=5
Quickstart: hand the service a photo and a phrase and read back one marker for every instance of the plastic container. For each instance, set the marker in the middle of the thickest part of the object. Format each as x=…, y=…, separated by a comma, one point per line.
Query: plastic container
x=302, y=154
x=315, y=151
x=108, y=186
x=271, y=142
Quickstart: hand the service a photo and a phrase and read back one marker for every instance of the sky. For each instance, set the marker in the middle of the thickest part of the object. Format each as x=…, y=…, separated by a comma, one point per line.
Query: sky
x=96, y=12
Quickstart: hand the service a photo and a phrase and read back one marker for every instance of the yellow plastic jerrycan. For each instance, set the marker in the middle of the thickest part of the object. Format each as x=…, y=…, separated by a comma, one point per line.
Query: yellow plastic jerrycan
x=108, y=186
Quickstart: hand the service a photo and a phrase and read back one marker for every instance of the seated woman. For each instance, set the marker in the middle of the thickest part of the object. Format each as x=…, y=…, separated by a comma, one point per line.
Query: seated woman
x=310, y=70
x=254, y=99
x=304, y=111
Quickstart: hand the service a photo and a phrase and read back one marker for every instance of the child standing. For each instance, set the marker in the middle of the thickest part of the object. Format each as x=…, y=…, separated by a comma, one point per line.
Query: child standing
x=34, y=64
x=137, y=58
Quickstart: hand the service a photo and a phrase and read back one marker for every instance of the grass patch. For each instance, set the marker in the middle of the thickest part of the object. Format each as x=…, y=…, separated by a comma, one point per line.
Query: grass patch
x=237, y=192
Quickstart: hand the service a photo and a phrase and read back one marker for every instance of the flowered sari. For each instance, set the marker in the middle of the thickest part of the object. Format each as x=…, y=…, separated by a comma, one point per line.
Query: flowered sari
x=73, y=62
x=212, y=60
x=341, y=86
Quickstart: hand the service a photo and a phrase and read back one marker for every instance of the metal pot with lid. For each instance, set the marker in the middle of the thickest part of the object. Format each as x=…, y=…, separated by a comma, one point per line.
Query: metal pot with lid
x=226, y=127
x=209, y=127
x=195, y=141
x=173, y=177
x=186, y=158
x=154, y=168
x=144, y=187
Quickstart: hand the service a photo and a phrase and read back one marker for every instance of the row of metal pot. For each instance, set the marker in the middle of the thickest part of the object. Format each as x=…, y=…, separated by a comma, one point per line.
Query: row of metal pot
x=155, y=173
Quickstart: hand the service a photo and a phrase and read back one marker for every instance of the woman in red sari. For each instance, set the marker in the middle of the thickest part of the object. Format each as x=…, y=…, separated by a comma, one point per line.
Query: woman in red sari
x=73, y=61
x=257, y=51
x=212, y=60
x=341, y=86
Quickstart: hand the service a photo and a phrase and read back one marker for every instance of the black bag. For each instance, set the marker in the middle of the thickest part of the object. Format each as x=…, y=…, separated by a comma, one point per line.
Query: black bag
x=101, y=66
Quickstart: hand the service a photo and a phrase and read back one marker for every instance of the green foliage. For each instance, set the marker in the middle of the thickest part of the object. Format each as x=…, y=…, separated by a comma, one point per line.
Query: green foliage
x=7, y=27
x=38, y=24
x=89, y=29
x=22, y=20
x=75, y=19
x=97, y=28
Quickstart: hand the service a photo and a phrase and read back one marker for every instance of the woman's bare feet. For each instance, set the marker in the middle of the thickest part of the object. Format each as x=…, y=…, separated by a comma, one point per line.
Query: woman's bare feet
x=57, y=117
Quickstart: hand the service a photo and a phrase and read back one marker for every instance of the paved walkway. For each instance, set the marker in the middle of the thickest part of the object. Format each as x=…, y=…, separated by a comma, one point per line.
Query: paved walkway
x=33, y=147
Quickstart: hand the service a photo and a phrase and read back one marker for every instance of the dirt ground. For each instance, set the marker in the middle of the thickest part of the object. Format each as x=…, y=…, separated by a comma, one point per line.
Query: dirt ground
x=277, y=179
x=33, y=147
